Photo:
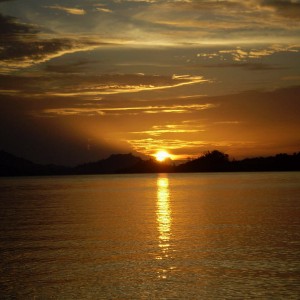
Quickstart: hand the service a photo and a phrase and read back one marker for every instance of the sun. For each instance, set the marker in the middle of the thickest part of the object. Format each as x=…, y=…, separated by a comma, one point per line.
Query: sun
x=162, y=155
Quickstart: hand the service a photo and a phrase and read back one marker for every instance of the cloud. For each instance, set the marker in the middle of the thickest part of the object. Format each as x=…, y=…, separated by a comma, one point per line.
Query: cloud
x=159, y=130
x=21, y=45
x=103, y=9
x=248, y=123
x=276, y=48
x=56, y=94
x=70, y=68
x=69, y=10
x=215, y=21
x=284, y=8
x=127, y=83
x=240, y=54
x=248, y=66
x=11, y=26
x=181, y=149
x=132, y=110
x=150, y=145
x=173, y=22
x=93, y=86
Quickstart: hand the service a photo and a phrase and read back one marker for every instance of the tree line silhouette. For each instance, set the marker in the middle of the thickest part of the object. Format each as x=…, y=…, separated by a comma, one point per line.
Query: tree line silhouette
x=211, y=161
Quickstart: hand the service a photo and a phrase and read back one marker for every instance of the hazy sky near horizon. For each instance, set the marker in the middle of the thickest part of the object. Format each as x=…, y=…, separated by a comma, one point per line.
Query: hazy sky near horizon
x=80, y=80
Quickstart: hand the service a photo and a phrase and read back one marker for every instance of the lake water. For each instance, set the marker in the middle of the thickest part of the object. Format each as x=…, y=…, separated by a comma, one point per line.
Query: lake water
x=151, y=236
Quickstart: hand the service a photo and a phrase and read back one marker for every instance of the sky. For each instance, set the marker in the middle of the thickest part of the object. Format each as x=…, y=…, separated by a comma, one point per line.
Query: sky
x=80, y=80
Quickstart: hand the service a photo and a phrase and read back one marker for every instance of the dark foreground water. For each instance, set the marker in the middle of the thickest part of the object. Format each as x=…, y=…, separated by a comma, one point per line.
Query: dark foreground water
x=166, y=236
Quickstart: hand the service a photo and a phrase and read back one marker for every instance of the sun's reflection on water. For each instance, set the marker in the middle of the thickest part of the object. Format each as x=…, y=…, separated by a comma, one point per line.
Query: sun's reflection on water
x=163, y=215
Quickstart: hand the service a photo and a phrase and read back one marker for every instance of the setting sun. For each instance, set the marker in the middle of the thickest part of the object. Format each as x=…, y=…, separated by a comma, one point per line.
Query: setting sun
x=162, y=155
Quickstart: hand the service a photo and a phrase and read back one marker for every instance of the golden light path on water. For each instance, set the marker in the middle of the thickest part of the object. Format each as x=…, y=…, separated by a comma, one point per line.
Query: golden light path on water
x=164, y=219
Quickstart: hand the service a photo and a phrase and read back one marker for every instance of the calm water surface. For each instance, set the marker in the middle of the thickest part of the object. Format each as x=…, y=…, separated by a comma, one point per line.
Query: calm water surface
x=165, y=236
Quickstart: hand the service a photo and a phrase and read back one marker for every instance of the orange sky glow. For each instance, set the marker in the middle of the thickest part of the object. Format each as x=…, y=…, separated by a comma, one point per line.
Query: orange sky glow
x=81, y=80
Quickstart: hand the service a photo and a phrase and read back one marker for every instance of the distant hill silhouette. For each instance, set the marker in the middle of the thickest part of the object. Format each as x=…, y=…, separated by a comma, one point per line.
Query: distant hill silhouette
x=279, y=162
x=110, y=165
x=214, y=161
x=217, y=161
x=211, y=161
x=11, y=165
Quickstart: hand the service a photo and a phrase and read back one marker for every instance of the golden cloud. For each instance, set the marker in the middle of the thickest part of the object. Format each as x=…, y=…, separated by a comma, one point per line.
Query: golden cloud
x=69, y=10
x=239, y=54
x=151, y=109
x=23, y=45
x=127, y=83
x=103, y=9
